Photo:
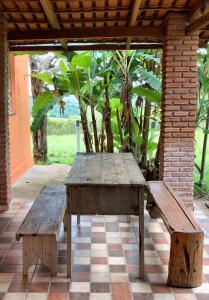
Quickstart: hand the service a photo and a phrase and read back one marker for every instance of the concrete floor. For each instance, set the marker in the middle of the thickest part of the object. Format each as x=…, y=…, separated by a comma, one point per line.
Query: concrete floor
x=28, y=186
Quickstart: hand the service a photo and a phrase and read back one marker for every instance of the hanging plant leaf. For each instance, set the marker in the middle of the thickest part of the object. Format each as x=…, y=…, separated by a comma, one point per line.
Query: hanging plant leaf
x=150, y=95
x=47, y=78
x=150, y=78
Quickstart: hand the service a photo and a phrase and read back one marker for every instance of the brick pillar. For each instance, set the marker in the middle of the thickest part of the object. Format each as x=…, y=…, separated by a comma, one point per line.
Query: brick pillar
x=178, y=107
x=4, y=122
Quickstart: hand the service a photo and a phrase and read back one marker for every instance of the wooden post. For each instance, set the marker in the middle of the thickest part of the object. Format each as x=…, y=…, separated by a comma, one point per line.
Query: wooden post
x=78, y=220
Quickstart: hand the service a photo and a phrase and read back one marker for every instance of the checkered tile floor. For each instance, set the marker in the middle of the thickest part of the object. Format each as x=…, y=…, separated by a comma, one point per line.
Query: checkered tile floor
x=105, y=262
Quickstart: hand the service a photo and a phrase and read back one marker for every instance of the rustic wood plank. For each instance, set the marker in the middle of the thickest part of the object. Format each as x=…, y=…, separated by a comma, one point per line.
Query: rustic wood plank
x=46, y=214
x=86, y=33
x=172, y=213
x=105, y=169
x=106, y=200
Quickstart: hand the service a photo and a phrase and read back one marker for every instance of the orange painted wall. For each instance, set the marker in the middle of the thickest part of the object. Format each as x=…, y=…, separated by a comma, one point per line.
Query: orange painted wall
x=21, y=158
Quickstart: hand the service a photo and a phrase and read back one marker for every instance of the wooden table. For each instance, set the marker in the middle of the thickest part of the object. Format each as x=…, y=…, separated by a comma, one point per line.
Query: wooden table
x=105, y=184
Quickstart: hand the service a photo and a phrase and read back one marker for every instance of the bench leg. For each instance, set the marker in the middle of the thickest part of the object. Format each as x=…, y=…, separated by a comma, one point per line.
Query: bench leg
x=186, y=260
x=44, y=248
x=31, y=252
x=49, y=253
x=151, y=207
x=65, y=221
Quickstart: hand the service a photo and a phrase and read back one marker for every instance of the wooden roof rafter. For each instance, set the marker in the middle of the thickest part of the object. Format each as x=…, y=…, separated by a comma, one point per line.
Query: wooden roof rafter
x=48, y=10
x=133, y=18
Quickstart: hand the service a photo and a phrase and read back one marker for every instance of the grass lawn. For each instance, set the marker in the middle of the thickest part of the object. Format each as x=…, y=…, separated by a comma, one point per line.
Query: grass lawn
x=62, y=148
x=198, y=152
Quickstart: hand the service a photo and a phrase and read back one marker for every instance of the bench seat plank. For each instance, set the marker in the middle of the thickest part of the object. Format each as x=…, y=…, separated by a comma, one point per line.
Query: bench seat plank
x=46, y=213
x=173, y=211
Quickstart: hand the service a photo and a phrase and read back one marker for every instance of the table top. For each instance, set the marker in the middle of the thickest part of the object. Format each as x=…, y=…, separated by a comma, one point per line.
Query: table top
x=106, y=169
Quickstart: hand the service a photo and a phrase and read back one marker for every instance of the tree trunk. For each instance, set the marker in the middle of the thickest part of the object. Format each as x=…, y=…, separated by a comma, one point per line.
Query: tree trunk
x=127, y=118
x=204, y=151
x=157, y=155
x=84, y=122
x=145, y=133
x=102, y=135
x=94, y=122
x=107, y=119
x=119, y=129
x=40, y=142
x=40, y=137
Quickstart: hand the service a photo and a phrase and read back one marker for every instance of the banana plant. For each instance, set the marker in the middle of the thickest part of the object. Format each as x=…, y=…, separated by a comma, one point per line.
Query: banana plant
x=202, y=115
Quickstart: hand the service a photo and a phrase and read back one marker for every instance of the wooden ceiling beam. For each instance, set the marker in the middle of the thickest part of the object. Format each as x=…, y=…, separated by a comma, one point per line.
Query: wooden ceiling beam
x=48, y=10
x=86, y=33
x=197, y=9
x=84, y=47
x=198, y=24
x=79, y=20
x=92, y=10
x=133, y=18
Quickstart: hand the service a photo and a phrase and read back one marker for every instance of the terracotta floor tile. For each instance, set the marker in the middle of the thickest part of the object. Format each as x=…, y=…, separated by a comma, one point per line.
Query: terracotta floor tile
x=58, y=296
x=99, y=260
x=115, y=246
x=79, y=296
x=81, y=277
x=160, y=288
x=141, y=296
x=120, y=291
x=117, y=268
x=18, y=287
x=39, y=287
x=100, y=287
x=62, y=287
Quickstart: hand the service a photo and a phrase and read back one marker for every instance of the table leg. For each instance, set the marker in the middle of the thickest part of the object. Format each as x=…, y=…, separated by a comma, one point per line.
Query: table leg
x=69, y=232
x=141, y=232
x=78, y=220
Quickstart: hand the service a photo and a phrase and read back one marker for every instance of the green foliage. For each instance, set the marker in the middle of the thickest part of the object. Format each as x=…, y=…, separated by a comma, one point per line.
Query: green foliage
x=150, y=78
x=60, y=126
x=43, y=103
x=152, y=96
x=47, y=78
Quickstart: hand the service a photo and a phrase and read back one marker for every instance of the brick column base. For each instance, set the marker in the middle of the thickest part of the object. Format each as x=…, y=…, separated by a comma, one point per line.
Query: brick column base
x=179, y=107
x=4, y=122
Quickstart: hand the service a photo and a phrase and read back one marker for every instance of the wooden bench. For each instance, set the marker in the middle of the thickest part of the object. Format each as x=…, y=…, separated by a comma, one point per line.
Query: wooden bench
x=41, y=227
x=186, y=251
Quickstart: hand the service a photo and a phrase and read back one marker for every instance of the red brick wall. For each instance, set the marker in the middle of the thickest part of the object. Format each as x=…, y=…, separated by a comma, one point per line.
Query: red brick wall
x=4, y=126
x=178, y=107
